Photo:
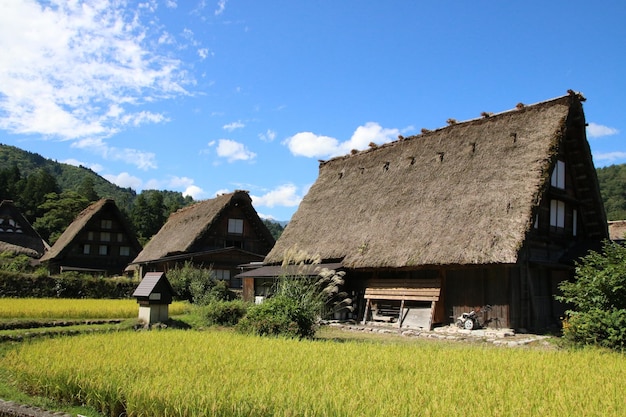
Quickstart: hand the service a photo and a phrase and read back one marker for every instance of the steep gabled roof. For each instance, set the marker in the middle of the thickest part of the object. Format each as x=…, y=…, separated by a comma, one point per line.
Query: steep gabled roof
x=463, y=194
x=188, y=225
x=62, y=245
x=16, y=233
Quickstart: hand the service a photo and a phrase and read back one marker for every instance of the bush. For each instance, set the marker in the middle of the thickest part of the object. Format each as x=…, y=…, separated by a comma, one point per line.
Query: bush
x=278, y=316
x=198, y=285
x=67, y=285
x=597, y=327
x=224, y=313
x=598, y=299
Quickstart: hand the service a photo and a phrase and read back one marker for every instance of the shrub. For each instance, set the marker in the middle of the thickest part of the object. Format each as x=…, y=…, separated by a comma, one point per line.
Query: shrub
x=224, y=313
x=598, y=299
x=197, y=284
x=39, y=285
x=597, y=327
x=279, y=315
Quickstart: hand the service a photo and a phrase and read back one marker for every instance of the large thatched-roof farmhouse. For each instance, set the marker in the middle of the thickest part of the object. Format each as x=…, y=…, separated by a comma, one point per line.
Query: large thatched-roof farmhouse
x=488, y=211
x=98, y=241
x=222, y=233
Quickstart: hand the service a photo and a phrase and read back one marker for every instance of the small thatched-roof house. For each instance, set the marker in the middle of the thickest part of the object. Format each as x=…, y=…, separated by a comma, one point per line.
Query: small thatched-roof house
x=488, y=211
x=17, y=235
x=222, y=233
x=99, y=241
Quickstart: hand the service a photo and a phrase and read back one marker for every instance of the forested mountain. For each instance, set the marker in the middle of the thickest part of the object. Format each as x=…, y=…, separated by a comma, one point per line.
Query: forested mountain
x=68, y=177
x=612, y=180
x=50, y=194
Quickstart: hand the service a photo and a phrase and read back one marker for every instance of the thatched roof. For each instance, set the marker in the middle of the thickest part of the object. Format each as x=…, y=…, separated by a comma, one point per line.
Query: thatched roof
x=463, y=194
x=617, y=230
x=63, y=243
x=187, y=226
x=16, y=233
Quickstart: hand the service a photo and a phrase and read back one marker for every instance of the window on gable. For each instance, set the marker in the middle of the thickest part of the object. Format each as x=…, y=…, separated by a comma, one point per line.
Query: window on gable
x=103, y=250
x=558, y=175
x=105, y=236
x=235, y=226
x=222, y=274
x=86, y=249
x=106, y=224
x=124, y=251
x=557, y=214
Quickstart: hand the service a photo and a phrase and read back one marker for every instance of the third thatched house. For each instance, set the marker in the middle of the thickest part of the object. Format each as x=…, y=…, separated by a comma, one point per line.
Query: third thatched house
x=221, y=233
x=488, y=211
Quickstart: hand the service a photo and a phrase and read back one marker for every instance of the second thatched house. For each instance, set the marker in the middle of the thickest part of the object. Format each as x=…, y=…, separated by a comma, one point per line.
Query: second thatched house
x=488, y=211
x=221, y=233
x=99, y=241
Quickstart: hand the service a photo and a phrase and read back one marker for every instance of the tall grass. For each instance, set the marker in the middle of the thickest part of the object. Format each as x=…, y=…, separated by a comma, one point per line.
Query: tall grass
x=65, y=308
x=182, y=373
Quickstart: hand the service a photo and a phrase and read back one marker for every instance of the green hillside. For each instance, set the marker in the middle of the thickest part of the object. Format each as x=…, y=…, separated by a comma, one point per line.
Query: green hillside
x=612, y=180
x=68, y=177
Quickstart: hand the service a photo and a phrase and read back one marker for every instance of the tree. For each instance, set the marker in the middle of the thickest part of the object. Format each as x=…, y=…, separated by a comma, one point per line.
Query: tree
x=598, y=299
x=60, y=211
x=86, y=189
x=275, y=228
x=36, y=187
x=11, y=183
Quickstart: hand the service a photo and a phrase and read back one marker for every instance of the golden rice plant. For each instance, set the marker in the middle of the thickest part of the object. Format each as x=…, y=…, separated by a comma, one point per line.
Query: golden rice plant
x=65, y=308
x=187, y=373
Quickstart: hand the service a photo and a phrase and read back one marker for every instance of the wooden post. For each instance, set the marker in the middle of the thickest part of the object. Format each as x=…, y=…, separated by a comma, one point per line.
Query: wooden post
x=401, y=317
x=367, y=309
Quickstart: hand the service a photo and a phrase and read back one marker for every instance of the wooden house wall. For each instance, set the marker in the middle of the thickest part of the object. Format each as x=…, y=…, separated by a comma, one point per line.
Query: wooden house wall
x=471, y=288
x=521, y=297
x=113, y=262
x=217, y=236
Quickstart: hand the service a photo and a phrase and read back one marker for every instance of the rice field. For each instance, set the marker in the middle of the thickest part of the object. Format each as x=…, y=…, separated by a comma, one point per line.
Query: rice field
x=190, y=373
x=64, y=308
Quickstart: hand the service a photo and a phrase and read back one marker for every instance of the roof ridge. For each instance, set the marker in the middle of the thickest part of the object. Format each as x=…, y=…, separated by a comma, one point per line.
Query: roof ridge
x=520, y=107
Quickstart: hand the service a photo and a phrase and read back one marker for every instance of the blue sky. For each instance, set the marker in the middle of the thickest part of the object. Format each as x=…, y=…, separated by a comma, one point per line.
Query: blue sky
x=210, y=96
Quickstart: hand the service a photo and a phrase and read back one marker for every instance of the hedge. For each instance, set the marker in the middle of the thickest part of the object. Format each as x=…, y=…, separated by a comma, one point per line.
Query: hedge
x=16, y=284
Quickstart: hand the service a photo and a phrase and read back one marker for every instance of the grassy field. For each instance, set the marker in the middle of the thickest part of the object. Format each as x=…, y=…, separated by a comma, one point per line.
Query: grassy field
x=62, y=308
x=192, y=373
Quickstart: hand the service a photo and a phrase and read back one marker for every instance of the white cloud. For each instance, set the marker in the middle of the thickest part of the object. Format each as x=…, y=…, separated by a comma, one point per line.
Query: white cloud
x=268, y=136
x=69, y=69
x=221, y=5
x=180, y=182
x=595, y=130
x=311, y=145
x=171, y=4
x=234, y=125
x=221, y=191
x=142, y=160
x=137, y=119
x=195, y=192
x=203, y=53
x=284, y=195
x=609, y=157
x=233, y=151
x=124, y=179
